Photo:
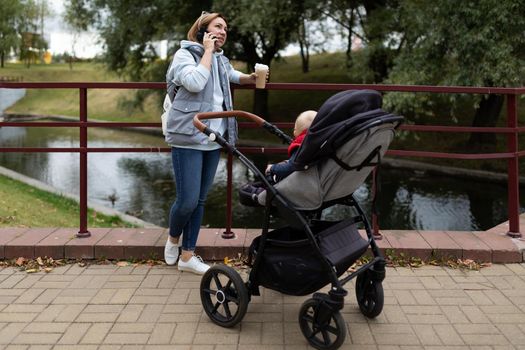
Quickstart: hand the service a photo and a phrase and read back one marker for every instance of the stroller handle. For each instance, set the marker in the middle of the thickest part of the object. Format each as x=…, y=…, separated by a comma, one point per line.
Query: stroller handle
x=212, y=115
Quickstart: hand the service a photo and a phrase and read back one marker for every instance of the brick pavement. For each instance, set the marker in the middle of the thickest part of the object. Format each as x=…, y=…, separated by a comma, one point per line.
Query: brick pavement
x=142, y=307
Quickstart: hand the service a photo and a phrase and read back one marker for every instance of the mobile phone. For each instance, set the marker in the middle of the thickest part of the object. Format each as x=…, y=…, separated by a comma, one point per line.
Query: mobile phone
x=200, y=34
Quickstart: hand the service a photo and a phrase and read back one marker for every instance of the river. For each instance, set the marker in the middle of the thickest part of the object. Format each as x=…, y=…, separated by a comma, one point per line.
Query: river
x=142, y=184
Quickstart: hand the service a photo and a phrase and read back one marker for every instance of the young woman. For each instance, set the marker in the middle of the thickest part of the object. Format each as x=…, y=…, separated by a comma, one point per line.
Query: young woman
x=202, y=75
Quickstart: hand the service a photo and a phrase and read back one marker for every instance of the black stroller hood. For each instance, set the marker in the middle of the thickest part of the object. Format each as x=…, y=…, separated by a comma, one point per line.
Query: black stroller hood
x=340, y=117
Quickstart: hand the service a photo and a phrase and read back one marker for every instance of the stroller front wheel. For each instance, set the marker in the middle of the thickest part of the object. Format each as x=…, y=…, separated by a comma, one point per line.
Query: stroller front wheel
x=324, y=329
x=224, y=295
x=370, y=295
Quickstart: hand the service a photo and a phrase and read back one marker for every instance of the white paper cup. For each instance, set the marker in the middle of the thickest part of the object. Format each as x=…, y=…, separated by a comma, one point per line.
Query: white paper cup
x=261, y=70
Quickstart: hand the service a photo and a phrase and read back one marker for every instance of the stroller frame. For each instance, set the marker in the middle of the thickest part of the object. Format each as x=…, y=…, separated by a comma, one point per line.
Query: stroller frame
x=319, y=317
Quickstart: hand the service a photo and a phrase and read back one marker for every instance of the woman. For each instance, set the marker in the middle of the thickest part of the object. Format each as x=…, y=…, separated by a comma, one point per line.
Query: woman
x=202, y=75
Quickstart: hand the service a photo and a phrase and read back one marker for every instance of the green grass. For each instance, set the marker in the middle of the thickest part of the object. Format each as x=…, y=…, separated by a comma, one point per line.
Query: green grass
x=24, y=206
x=104, y=104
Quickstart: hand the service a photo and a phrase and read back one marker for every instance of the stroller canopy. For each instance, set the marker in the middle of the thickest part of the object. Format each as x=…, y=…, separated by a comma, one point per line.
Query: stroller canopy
x=336, y=117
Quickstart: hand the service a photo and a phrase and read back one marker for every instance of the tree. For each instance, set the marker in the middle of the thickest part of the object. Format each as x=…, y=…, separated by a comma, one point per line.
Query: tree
x=128, y=28
x=259, y=30
x=32, y=30
x=78, y=18
x=372, y=21
x=467, y=43
x=11, y=13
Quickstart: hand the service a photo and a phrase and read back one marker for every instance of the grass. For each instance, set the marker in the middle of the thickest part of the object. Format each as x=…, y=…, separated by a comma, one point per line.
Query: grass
x=24, y=206
x=106, y=104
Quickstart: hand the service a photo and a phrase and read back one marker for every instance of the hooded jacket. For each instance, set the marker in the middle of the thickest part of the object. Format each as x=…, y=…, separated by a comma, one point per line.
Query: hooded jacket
x=196, y=85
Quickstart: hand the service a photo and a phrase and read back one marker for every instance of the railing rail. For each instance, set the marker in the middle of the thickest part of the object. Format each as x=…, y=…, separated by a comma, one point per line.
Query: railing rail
x=511, y=131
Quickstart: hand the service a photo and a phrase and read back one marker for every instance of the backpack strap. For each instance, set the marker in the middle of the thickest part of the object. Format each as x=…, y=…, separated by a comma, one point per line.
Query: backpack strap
x=171, y=88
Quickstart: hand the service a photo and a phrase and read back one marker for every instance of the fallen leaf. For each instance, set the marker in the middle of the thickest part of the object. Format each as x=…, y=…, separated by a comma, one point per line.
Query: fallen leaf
x=122, y=263
x=20, y=261
x=48, y=269
x=39, y=261
x=32, y=270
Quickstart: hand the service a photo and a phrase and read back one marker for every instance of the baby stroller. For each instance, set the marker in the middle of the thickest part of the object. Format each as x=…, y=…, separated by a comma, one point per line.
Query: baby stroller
x=346, y=140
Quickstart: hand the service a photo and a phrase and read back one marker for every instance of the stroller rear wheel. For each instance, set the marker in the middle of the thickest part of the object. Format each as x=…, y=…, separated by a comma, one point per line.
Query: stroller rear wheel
x=369, y=295
x=224, y=295
x=323, y=328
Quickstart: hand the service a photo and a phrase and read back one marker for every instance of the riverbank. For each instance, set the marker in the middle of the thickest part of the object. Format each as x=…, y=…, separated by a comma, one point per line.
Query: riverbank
x=127, y=220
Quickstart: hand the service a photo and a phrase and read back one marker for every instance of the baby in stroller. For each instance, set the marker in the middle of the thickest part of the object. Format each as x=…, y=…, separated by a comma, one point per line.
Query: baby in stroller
x=276, y=172
x=346, y=140
x=279, y=171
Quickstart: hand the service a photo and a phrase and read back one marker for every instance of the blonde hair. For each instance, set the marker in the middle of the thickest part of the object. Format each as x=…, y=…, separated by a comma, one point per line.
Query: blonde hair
x=303, y=121
x=203, y=21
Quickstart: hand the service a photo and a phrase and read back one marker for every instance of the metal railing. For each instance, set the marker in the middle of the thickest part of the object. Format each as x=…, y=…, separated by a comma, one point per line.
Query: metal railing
x=512, y=131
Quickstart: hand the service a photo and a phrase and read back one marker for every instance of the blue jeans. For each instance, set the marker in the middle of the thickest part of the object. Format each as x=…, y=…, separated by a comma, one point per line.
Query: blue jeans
x=194, y=172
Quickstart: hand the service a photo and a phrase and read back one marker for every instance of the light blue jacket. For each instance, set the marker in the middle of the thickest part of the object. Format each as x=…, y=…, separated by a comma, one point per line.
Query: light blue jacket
x=195, y=94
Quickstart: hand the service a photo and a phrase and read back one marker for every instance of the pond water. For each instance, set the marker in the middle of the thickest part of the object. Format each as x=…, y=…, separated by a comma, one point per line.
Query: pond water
x=143, y=184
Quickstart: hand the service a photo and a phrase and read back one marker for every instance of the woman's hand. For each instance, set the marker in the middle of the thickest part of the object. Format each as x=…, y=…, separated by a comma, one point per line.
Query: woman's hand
x=245, y=79
x=268, y=167
x=250, y=78
x=208, y=42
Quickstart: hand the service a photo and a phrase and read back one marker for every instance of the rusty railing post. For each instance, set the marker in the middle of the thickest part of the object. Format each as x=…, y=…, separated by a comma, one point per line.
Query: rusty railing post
x=229, y=166
x=83, y=232
x=227, y=234
x=375, y=219
x=513, y=169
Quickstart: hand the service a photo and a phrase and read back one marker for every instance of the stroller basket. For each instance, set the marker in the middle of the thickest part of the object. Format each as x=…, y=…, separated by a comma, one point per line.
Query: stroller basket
x=291, y=265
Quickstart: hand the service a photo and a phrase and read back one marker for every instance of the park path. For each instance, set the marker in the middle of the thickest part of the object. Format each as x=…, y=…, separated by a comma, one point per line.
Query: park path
x=158, y=307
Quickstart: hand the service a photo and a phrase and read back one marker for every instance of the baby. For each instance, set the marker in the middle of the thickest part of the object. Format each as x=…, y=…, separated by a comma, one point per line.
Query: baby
x=281, y=170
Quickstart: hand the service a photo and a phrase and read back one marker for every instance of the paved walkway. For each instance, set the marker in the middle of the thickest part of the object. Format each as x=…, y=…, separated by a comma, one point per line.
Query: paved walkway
x=142, y=307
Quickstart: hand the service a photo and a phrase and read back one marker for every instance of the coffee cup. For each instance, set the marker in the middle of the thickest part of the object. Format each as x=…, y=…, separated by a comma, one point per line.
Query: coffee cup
x=261, y=70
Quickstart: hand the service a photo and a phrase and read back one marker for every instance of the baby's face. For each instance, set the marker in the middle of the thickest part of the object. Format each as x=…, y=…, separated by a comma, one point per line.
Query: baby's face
x=297, y=129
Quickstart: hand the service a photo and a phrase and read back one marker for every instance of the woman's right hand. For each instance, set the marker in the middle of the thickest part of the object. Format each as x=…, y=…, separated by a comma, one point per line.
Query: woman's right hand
x=208, y=42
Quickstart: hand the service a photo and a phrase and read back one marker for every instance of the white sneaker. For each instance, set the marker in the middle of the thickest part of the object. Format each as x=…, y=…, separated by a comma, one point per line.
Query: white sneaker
x=195, y=265
x=171, y=252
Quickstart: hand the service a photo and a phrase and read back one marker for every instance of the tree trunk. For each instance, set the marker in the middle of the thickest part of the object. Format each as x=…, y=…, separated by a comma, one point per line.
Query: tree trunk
x=349, y=50
x=487, y=115
x=303, y=45
x=2, y=56
x=305, y=57
x=260, y=103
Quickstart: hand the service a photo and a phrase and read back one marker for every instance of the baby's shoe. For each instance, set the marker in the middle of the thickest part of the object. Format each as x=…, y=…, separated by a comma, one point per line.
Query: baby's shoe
x=195, y=265
x=171, y=252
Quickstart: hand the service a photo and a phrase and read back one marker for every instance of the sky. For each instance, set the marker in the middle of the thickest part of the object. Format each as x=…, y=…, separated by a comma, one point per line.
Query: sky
x=61, y=38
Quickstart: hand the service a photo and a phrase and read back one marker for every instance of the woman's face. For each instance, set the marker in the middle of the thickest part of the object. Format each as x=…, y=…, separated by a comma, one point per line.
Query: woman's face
x=218, y=28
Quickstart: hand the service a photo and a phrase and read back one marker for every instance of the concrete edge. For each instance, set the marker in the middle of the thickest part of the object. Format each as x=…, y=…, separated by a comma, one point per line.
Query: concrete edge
x=91, y=204
x=520, y=243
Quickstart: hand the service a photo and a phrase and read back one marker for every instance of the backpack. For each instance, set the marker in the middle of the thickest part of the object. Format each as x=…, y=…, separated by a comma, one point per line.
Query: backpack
x=166, y=105
x=170, y=95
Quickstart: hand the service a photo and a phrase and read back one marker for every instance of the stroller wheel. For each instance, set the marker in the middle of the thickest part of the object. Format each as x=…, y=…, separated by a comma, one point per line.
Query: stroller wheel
x=224, y=295
x=369, y=295
x=324, y=329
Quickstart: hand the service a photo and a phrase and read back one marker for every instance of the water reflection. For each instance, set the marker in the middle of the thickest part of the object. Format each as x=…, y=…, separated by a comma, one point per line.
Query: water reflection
x=142, y=184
